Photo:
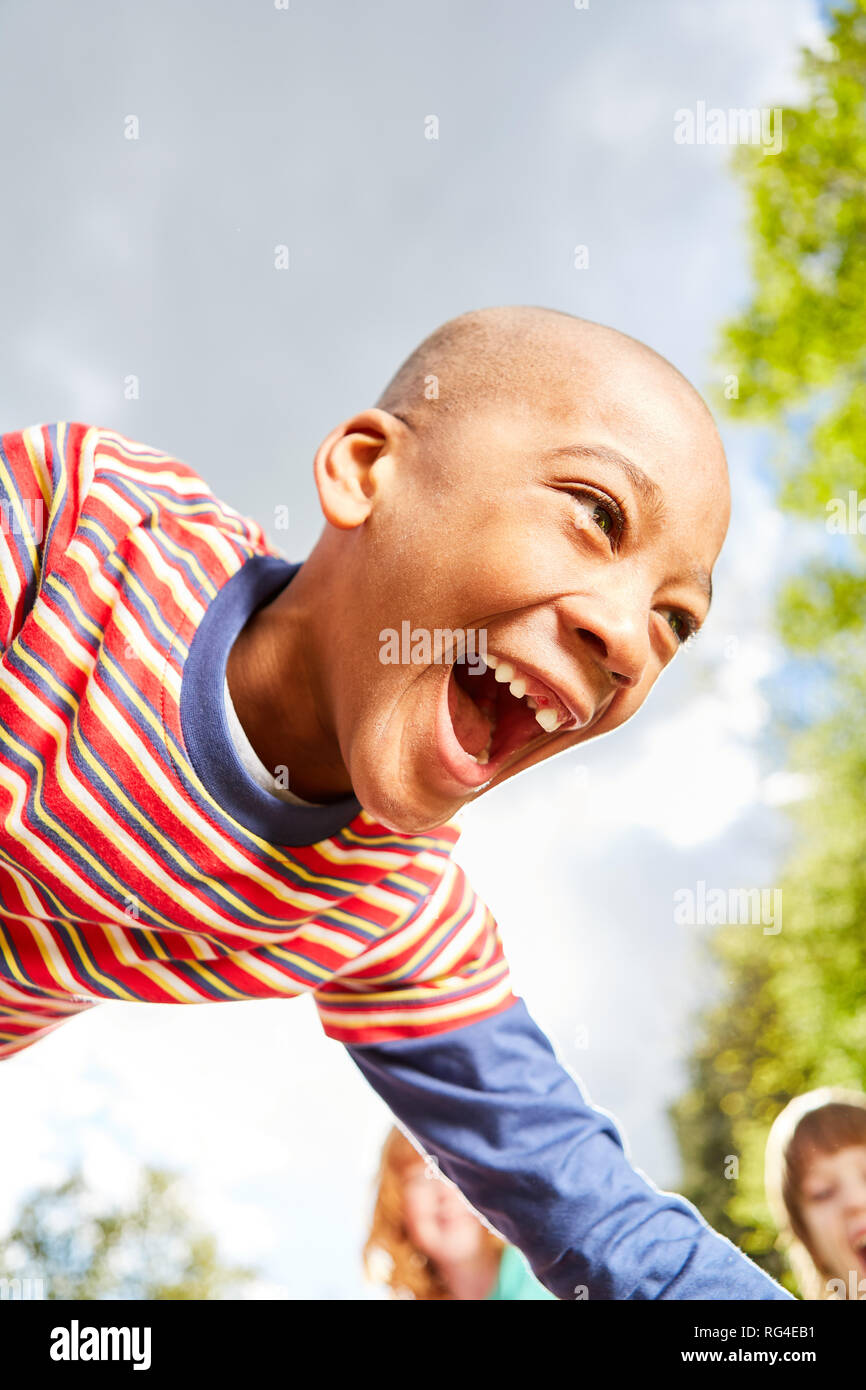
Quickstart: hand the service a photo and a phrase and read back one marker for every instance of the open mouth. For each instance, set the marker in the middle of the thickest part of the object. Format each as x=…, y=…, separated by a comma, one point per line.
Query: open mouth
x=495, y=711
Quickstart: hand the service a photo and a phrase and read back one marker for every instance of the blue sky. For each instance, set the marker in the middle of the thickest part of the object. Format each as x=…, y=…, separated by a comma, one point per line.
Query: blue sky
x=154, y=258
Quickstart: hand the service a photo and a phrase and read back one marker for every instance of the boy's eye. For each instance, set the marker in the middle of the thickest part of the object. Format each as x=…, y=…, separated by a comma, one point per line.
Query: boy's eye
x=606, y=513
x=684, y=626
x=603, y=519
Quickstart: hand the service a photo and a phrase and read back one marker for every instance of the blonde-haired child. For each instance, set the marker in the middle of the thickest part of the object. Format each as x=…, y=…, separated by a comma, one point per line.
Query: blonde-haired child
x=816, y=1187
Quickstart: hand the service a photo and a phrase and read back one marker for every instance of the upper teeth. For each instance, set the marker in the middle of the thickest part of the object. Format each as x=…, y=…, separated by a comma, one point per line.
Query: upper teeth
x=548, y=717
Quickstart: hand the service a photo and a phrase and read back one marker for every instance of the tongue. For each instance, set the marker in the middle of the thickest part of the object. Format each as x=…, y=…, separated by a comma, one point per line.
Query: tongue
x=471, y=725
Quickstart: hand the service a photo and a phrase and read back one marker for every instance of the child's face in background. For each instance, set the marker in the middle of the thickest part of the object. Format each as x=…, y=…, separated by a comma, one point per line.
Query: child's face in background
x=437, y=1220
x=524, y=524
x=833, y=1209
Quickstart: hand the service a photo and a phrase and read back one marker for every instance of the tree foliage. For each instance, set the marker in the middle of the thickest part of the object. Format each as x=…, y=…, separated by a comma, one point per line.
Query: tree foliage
x=791, y=1015
x=799, y=346
x=151, y=1249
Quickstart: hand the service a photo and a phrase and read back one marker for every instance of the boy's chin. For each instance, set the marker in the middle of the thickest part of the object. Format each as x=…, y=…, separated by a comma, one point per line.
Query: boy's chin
x=416, y=813
x=406, y=821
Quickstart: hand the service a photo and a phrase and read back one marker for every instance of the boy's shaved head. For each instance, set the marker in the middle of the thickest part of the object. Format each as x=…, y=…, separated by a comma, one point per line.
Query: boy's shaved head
x=519, y=356
x=527, y=478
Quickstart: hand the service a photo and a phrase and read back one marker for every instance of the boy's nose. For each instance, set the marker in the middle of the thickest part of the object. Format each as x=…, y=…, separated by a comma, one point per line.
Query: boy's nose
x=615, y=635
x=592, y=639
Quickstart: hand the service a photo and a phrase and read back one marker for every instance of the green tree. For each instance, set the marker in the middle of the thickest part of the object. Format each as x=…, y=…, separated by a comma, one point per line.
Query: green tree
x=799, y=347
x=790, y=1015
x=151, y=1249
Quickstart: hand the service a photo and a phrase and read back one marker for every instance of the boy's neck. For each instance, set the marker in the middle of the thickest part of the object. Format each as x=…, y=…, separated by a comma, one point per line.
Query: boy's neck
x=271, y=673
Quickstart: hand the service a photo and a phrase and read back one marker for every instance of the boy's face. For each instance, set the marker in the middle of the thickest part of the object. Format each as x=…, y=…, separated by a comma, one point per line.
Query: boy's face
x=833, y=1208
x=580, y=574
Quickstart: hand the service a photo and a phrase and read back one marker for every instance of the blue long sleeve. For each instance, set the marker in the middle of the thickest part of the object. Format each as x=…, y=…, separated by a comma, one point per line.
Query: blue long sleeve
x=511, y=1127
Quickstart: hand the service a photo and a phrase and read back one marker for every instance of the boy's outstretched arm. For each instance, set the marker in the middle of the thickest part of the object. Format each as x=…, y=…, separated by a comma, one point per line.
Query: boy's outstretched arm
x=512, y=1128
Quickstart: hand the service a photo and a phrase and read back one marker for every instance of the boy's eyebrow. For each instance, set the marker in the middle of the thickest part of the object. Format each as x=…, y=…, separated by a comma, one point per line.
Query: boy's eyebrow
x=698, y=575
x=641, y=481
x=643, y=484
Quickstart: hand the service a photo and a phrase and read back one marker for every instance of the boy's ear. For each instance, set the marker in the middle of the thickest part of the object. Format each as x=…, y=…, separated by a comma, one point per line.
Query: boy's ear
x=348, y=466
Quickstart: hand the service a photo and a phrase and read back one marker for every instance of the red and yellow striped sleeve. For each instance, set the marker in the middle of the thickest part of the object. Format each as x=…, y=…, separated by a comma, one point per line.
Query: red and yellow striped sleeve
x=442, y=969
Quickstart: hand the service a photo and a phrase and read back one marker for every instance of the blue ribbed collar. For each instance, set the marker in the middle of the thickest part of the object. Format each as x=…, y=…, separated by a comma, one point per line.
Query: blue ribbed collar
x=206, y=733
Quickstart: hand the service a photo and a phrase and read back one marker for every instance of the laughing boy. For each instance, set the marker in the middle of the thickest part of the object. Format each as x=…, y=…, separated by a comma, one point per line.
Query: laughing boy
x=213, y=787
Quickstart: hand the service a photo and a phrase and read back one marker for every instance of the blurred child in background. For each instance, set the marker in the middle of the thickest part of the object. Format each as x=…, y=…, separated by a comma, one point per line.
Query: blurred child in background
x=816, y=1188
x=426, y=1243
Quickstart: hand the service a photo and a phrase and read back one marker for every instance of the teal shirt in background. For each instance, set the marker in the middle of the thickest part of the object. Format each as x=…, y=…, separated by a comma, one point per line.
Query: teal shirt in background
x=516, y=1281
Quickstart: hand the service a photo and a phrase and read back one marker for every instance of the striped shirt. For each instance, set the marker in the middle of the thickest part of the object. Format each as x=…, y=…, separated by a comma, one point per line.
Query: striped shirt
x=139, y=860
